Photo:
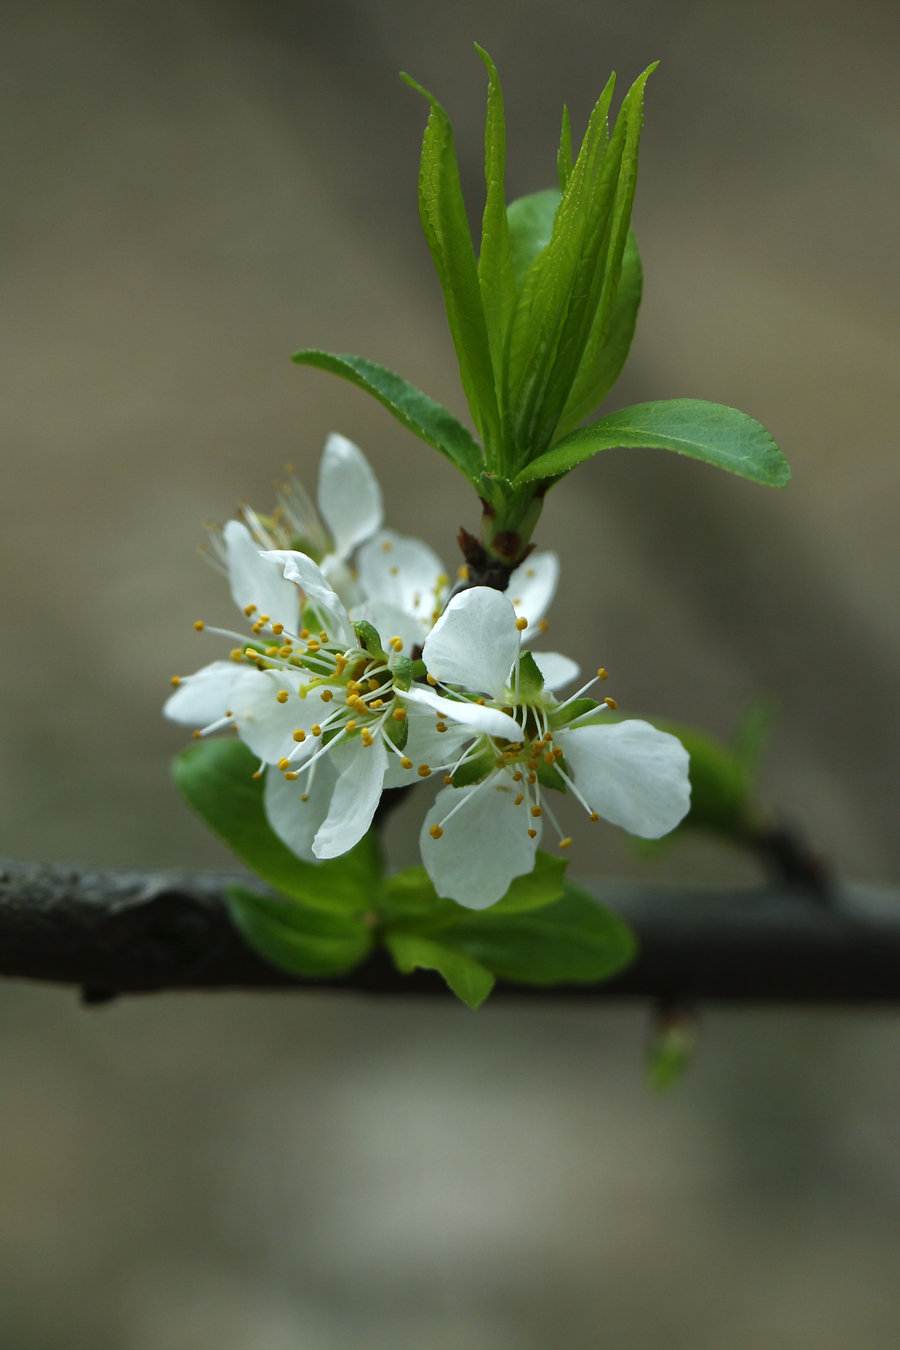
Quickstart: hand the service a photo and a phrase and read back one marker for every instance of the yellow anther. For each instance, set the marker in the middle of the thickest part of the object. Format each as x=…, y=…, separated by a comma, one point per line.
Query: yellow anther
x=353, y=686
x=304, y=633
x=532, y=778
x=285, y=651
x=448, y=778
x=520, y=797
x=175, y=680
x=196, y=735
x=611, y=704
x=602, y=674
x=435, y=831
x=377, y=703
x=249, y=609
x=521, y=624
x=323, y=635
x=278, y=629
x=258, y=627
x=373, y=684
x=313, y=645
x=237, y=653
x=397, y=644
x=593, y=816
x=282, y=696
x=271, y=651
x=316, y=729
x=431, y=679
x=480, y=702
x=326, y=695
x=395, y=571
x=299, y=735
x=543, y=625
x=199, y=625
x=532, y=764
x=532, y=834
x=423, y=771
x=340, y=665
x=463, y=572
x=366, y=737
x=537, y=811
x=550, y=757
x=264, y=618
x=399, y=714
x=406, y=763
x=304, y=797
x=517, y=777
x=292, y=776
x=440, y=726
x=284, y=763
x=386, y=545
x=566, y=843
x=351, y=725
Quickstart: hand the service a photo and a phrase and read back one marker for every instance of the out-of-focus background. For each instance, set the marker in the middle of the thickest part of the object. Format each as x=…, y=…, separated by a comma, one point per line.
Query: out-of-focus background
x=192, y=191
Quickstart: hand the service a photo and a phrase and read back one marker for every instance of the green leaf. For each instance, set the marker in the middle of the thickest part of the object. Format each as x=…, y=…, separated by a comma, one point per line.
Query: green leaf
x=564, y=306
x=544, y=885
x=530, y=228
x=495, y=267
x=608, y=345
x=530, y=681
x=564, y=157
x=708, y=431
x=573, y=941
x=216, y=779
x=299, y=938
x=446, y=228
x=413, y=409
x=467, y=977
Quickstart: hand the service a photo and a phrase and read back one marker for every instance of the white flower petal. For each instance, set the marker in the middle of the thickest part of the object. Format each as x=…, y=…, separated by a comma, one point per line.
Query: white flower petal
x=475, y=642
x=403, y=572
x=315, y=585
x=256, y=580
x=349, y=495
x=485, y=844
x=203, y=697
x=631, y=773
x=556, y=669
x=532, y=587
x=266, y=725
x=357, y=793
x=389, y=621
x=294, y=820
x=480, y=720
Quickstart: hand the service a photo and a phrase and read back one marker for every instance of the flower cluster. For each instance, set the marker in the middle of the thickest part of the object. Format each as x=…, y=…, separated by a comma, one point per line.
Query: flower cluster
x=364, y=672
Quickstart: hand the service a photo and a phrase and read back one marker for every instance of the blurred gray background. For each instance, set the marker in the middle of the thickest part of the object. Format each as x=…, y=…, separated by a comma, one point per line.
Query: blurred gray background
x=192, y=192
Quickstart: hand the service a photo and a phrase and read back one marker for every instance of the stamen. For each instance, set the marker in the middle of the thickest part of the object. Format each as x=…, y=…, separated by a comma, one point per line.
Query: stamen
x=282, y=696
x=436, y=832
x=199, y=625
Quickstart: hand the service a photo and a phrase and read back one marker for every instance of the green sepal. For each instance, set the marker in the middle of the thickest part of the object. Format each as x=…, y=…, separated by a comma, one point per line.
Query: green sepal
x=670, y=1053
x=216, y=778
x=468, y=979
x=474, y=770
x=548, y=775
x=561, y=717
x=396, y=731
x=420, y=414
x=531, y=681
x=711, y=432
x=301, y=939
x=402, y=669
x=369, y=639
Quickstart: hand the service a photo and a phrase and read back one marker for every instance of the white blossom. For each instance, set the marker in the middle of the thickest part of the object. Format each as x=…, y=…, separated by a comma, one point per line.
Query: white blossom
x=486, y=823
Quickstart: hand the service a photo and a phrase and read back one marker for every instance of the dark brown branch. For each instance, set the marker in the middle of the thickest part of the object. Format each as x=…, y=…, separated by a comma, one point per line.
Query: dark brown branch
x=111, y=932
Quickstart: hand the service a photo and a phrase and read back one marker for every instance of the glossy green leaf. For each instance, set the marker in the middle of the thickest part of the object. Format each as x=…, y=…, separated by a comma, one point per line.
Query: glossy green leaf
x=710, y=432
x=573, y=941
x=413, y=409
x=495, y=267
x=446, y=228
x=467, y=977
x=564, y=158
x=530, y=228
x=543, y=885
x=216, y=779
x=608, y=345
x=299, y=938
